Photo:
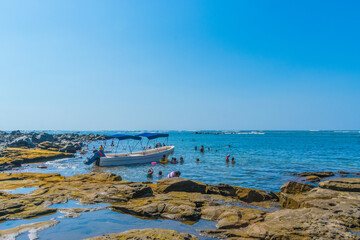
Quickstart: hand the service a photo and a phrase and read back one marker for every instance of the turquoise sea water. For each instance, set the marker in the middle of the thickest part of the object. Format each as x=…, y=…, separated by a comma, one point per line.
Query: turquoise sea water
x=263, y=161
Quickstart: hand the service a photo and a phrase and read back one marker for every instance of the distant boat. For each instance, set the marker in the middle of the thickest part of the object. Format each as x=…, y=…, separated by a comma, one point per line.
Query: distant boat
x=145, y=156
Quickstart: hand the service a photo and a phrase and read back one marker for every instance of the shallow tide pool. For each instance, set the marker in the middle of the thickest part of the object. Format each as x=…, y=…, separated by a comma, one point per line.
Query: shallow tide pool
x=101, y=222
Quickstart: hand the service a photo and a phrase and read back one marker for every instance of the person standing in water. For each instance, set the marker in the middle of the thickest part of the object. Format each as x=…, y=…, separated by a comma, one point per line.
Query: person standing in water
x=150, y=173
x=202, y=149
x=227, y=158
x=232, y=160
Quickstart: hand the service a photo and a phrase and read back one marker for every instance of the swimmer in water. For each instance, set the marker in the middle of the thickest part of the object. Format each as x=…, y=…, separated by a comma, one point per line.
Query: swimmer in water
x=173, y=161
x=181, y=160
x=227, y=158
x=202, y=149
x=160, y=174
x=150, y=173
x=232, y=160
x=197, y=160
x=174, y=174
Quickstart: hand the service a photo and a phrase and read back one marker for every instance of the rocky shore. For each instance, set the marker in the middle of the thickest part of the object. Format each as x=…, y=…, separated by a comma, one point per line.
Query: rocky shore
x=298, y=211
x=18, y=147
x=67, y=142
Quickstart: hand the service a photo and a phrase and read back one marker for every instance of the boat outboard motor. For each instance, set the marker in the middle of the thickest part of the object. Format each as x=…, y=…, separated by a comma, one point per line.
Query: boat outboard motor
x=96, y=157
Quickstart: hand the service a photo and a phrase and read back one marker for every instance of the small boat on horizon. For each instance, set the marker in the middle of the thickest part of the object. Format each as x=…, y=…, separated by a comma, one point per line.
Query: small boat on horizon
x=147, y=155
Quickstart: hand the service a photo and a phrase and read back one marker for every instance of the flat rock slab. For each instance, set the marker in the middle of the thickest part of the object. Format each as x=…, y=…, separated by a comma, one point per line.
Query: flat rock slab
x=147, y=234
x=319, y=174
x=342, y=184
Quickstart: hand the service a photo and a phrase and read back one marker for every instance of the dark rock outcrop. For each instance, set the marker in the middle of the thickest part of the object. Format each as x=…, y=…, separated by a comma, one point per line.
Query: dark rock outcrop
x=295, y=187
x=178, y=184
x=23, y=141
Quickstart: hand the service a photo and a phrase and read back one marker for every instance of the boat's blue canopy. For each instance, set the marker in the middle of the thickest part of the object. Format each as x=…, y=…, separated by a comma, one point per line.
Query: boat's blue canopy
x=153, y=135
x=123, y=137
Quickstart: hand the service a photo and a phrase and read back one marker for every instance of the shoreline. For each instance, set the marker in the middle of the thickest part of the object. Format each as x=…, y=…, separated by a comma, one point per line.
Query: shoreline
x=234, y=209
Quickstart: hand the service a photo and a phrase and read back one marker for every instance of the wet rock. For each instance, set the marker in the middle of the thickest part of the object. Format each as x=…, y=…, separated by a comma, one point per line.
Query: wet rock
x=178, y=184
x=94, y=177
x=295, y=187
x=231, y=216
x=319, y=174
x=161, y=206
x=222, y=189
x=342, y=184
x=147, y=234
x=343, y=172
x=312, y=178
x=16, y=132
x=50, y=146
x=33, y=228
x=23, y=141
x=42, y=137
x=252, y=195
x=69, y=148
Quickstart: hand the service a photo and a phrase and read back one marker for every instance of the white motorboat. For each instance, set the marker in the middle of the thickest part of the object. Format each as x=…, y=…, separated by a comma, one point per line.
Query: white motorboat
x=145, y=156
x=151, y=155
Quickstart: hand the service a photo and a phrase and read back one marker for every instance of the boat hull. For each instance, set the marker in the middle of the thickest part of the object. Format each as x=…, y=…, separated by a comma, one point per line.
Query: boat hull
x=153, y=155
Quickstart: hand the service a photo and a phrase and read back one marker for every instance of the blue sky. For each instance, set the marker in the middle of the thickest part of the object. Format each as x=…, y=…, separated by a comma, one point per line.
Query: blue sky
x=101, y=65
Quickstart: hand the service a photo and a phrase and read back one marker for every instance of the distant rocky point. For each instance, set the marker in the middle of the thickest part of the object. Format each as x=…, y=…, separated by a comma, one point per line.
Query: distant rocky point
x=17, y=147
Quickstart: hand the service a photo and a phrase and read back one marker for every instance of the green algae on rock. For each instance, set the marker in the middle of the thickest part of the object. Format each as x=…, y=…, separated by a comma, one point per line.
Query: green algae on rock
x=18, y=156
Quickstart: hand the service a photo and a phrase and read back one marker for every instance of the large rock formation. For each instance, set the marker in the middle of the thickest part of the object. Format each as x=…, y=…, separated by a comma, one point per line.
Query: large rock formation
x=309, y=213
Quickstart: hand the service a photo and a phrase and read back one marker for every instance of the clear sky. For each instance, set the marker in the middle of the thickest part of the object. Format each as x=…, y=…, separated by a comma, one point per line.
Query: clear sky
x=188, y=64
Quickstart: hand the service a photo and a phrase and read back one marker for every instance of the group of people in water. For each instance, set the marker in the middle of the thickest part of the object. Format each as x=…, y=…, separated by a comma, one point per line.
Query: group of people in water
x=173, y=160
x=160, y=174
x=227, y=159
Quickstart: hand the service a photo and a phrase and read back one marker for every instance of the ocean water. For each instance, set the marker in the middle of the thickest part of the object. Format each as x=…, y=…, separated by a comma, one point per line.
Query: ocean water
x=264, y=159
